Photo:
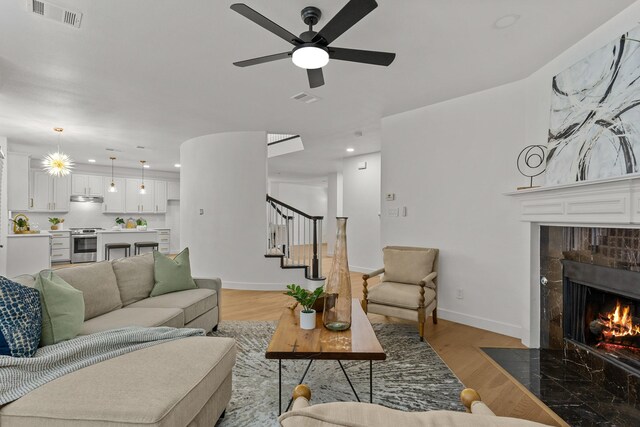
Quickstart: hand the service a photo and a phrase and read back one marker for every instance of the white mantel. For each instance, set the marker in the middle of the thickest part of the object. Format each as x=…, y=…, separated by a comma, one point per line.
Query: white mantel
x=613, y=202
x=607, y=202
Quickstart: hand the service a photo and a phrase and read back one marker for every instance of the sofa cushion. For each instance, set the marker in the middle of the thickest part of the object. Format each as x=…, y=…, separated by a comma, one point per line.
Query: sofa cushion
x=25, y=280
x=20, y=319
x=406, y=264
x=164, y=385
x=352, y=414
x=194, y=302
x=98, y=285
x=146, y=317
x=400, y=295
x=172, y=275
x=134, y=276
x=62, y=308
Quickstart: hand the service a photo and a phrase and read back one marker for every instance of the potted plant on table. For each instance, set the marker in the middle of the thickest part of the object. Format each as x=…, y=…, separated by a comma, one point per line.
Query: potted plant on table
x=306, y=299
x=56, y=223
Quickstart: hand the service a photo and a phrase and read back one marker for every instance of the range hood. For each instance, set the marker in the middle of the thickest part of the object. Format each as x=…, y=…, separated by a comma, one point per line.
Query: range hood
x=87, y=199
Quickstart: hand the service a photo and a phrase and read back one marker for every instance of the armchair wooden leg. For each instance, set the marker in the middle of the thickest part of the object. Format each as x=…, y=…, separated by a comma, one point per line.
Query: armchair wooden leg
x=434, y=316
x=365, y=292
x=421, y=330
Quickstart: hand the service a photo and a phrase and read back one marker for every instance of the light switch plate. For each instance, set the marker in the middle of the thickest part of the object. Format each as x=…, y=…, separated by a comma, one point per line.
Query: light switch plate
x=362, y=165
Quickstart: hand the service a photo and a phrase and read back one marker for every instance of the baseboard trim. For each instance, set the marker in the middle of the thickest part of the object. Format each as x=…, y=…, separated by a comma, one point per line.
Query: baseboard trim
x=363, y=270
x=244, y=286
x=481, y=323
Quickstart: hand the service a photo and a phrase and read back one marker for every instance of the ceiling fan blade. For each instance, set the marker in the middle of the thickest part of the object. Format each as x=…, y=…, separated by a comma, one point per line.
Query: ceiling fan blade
x=364, y=56
x=265, y=23
x=348, y=16
x=262, y=59
x=316, y=78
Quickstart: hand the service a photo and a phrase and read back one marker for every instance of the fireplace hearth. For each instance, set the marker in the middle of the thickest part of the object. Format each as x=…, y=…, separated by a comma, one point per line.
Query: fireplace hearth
x=601, y=306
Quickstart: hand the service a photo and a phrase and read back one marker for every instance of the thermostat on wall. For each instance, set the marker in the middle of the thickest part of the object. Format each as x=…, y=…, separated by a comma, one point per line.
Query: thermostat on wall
x=362, y=165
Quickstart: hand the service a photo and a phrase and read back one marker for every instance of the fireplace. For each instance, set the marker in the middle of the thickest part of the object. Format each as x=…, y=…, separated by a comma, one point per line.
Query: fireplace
x=601, y=312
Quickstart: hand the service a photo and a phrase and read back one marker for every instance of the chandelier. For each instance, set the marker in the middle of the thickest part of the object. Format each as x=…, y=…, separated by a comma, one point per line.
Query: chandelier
x=58, y=163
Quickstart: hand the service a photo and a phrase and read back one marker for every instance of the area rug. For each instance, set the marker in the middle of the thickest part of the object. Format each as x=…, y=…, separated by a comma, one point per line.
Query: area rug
x=413, y=378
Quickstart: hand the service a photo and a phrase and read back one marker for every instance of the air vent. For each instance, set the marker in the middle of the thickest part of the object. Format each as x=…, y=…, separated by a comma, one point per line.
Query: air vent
x=55, y=13
x=305, y=97
x=114, y=150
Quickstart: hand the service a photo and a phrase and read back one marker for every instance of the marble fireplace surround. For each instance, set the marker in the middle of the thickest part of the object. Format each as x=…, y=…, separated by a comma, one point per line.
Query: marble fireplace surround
x=607, y=203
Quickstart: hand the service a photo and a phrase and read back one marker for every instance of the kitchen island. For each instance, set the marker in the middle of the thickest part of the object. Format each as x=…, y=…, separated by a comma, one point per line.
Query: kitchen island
x=125, y=235
x=28, y=253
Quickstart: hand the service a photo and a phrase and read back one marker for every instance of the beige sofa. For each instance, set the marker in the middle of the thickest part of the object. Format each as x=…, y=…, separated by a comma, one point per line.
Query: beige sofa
x=116, y=294
x=353, y=414
x=185, y=382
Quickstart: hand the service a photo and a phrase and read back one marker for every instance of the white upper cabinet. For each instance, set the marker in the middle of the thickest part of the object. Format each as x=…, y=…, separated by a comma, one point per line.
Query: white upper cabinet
x=113, y=202
x=160, y=195
x=48, y=193
x=18, y=182
x=173, y=190
x=147, y=200
x=136, y=202
x=86, y=185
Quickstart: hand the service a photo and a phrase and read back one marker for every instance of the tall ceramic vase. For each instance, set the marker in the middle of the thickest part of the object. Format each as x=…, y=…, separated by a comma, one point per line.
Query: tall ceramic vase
x=337, y=302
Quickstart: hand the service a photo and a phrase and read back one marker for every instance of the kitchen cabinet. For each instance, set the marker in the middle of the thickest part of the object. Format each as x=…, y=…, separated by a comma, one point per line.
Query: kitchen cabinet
x=173, y=190
x=136, y=202
x=160, y=196
x=113, y=202
x=18, y=181
x=86, y=185
x=164, y=240
x=48, y=193
x=60, y=245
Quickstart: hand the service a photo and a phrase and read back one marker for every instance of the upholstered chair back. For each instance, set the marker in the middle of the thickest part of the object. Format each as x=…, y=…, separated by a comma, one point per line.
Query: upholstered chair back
x=405, y=264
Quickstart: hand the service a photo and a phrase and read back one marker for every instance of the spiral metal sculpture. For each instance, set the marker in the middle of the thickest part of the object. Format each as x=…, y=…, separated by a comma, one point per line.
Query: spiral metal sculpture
x=531, y=161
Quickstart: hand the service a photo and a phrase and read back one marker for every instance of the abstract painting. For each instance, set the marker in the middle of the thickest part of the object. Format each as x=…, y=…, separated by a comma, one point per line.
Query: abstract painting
x=594, y=130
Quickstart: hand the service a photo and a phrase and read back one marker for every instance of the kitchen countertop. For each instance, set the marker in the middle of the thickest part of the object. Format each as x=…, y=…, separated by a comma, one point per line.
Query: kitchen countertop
x=41, y=234
x=125, y=230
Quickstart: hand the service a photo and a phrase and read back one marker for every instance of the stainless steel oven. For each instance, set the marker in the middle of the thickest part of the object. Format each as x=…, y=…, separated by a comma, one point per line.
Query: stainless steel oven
x=84, y=245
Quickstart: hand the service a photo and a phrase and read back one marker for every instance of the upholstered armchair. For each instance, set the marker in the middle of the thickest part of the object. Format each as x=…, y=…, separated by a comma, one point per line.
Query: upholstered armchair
x=409, y=287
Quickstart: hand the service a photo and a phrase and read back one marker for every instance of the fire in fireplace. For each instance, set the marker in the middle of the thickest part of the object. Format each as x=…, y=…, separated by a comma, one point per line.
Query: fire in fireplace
x=601, y=309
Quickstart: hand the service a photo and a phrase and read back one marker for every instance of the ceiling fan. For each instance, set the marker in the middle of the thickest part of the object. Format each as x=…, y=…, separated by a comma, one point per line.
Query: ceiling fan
x=312, y=50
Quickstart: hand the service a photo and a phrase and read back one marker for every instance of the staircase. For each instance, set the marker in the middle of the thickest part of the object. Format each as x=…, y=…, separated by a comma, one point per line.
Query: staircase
x=295, y=238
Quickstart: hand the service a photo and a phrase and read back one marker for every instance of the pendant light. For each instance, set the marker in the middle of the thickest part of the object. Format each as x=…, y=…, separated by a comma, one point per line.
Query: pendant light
x=112, y=187
x=142, y=189
x=58, y=163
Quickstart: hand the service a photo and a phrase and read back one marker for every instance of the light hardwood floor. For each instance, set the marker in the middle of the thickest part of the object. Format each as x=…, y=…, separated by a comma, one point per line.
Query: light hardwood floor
x=458, y=345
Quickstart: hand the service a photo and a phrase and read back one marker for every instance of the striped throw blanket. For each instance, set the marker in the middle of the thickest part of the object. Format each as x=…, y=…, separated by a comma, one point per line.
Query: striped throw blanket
x=20, y=375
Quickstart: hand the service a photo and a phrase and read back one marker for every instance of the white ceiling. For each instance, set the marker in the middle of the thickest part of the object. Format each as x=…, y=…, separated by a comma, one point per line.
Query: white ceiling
x=158, y=72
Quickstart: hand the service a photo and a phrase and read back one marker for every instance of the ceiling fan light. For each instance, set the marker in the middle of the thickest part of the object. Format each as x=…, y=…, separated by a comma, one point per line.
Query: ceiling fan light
x=310, y=57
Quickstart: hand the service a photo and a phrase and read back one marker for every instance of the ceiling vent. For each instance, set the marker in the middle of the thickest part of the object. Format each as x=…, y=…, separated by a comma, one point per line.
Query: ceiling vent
x=305, y=97
x=55, y=13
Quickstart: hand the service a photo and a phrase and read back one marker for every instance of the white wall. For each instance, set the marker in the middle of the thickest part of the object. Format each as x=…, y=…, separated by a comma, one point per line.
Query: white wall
x=4, y=223
x=449, y=164
x=334, y=208
x=229, y=239
x=361, y=204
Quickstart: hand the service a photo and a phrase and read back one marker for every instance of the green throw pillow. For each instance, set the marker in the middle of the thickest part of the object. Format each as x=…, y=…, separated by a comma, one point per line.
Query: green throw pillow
x=172, y=275
x=62, y=308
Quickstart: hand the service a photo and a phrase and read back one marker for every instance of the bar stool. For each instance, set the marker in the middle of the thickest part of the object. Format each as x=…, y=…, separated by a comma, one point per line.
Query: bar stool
x=109, y=246
x=140, y=245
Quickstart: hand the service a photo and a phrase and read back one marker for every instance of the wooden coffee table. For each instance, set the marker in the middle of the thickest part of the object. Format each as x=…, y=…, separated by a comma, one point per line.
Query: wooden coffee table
x=359, y=342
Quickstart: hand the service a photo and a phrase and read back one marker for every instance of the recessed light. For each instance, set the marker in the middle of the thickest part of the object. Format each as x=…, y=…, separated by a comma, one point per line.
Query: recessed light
x=506, y=21
x=177, y=165
x=146, y=166
x=92, y=160
x=350, y=150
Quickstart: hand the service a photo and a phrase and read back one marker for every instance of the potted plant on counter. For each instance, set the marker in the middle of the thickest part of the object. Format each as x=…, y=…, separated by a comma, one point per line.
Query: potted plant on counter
x=56, y=223
x=141, y=224
x=119, y=222
x=306, y=299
